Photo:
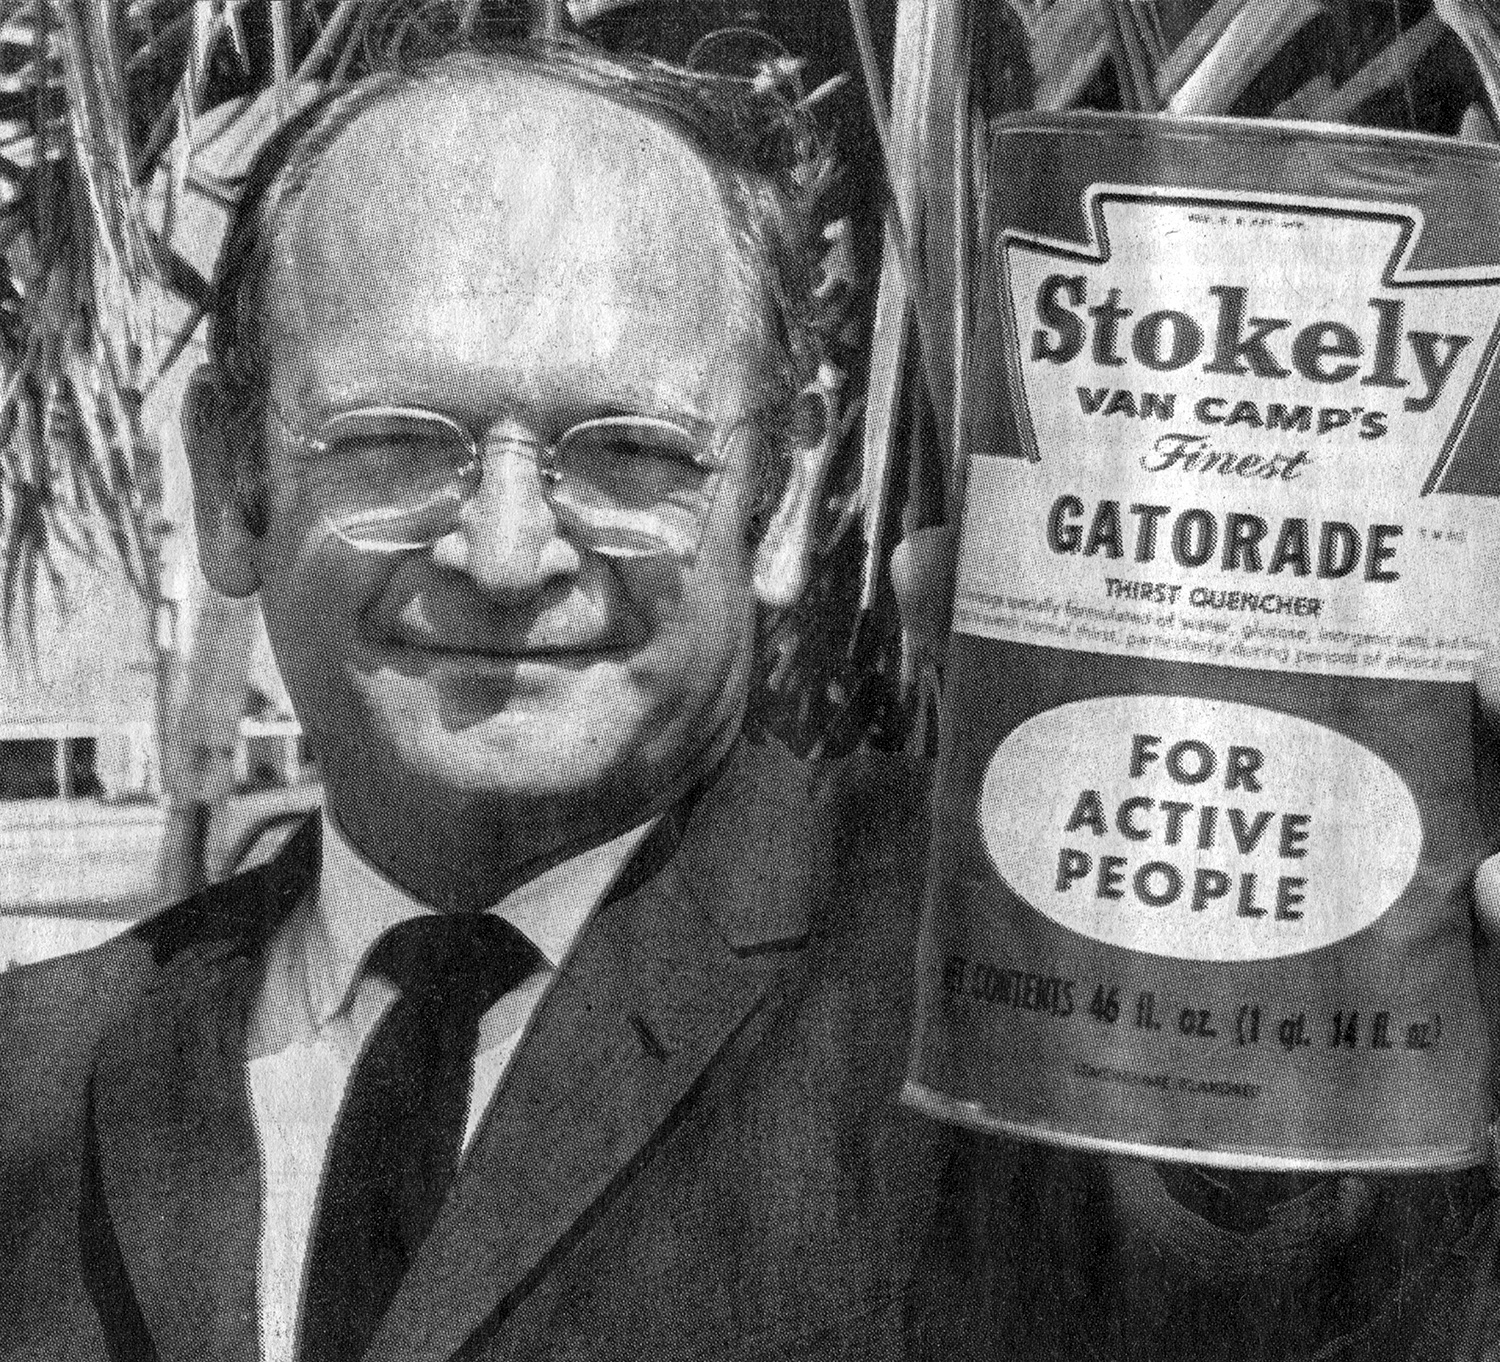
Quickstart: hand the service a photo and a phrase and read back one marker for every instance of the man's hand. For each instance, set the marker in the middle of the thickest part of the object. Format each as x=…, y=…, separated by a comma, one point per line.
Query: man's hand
x=1487, y=881
x=922, y=577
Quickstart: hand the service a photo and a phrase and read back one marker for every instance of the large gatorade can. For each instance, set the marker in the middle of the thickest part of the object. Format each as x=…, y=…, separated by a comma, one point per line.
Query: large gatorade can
x=1206, y=815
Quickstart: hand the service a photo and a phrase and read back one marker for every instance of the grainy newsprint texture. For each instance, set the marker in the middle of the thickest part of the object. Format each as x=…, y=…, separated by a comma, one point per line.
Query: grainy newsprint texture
x=713, y=680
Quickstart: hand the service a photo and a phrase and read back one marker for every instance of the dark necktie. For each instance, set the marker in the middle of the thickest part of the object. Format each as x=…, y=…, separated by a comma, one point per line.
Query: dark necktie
x=396, y=1143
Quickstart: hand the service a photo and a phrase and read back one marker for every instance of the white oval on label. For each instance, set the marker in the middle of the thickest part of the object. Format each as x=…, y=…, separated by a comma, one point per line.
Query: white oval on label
x=1198, y=829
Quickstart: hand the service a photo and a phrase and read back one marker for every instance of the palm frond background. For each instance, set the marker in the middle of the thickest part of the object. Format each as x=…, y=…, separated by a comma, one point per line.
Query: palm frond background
x=1412, y=64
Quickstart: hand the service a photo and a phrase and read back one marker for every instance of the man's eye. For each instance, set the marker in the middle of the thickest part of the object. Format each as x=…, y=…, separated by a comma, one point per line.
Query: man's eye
x=625, y=446
x=648, y=451
x=396, y=440
x=394, y=455
x=392, y=448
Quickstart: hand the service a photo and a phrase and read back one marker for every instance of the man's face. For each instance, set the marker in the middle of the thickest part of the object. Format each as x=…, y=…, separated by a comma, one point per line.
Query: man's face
x=521, y=259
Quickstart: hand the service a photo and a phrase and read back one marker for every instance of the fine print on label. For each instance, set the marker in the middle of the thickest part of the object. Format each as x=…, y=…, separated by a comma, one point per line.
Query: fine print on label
x=1242, y=442
x=1108, y=1003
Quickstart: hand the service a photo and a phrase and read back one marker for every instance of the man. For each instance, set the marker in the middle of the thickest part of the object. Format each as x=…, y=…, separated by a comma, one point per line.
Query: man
x=496, y=427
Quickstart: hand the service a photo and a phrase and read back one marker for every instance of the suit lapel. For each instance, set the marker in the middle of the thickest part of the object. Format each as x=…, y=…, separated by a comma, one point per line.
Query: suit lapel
x=658, y=987
x=177, y=1158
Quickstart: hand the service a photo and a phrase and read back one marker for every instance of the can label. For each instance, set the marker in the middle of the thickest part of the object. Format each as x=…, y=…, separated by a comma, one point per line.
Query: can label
x=1207, y=816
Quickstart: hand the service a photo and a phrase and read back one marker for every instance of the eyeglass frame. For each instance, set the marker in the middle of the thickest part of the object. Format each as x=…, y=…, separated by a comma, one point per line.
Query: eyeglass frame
x=711, y=464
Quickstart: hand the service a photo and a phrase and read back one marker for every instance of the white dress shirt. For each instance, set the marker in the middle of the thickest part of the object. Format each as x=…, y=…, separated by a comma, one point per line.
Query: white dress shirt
x=317, y=1009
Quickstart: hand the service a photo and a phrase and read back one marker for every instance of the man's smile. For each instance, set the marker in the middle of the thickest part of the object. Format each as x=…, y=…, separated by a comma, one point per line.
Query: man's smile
x=570, y=628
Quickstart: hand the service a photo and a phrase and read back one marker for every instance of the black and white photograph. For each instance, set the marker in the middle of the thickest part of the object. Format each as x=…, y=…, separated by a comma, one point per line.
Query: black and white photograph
x=715, y=680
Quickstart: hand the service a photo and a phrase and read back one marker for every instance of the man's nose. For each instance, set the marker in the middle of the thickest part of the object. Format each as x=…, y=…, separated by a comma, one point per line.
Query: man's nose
x=508, y=538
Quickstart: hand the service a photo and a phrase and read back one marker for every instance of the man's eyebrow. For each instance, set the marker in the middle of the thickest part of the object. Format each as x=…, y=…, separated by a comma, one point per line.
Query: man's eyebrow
x=664, y=403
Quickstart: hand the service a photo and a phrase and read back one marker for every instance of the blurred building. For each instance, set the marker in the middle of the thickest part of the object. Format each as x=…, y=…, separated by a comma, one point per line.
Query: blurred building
x=78, y=713
x=82, y=779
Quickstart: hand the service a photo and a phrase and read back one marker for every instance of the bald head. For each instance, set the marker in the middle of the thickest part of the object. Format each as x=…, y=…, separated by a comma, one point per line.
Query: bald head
x=514, y=201
x=525, y=144
x=529, y=156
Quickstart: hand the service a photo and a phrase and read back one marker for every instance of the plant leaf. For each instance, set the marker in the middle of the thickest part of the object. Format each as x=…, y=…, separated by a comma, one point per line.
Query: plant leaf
x=1249, y=42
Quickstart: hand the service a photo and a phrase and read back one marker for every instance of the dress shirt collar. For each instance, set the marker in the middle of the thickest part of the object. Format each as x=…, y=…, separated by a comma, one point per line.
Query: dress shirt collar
x=356, y=904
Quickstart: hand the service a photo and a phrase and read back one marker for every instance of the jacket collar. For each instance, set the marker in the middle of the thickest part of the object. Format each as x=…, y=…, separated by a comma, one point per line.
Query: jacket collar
x=178, y=1166
x=356, y=905
x=711, y=921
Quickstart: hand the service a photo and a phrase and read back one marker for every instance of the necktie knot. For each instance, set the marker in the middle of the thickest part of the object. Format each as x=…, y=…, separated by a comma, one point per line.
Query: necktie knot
x=467, y=961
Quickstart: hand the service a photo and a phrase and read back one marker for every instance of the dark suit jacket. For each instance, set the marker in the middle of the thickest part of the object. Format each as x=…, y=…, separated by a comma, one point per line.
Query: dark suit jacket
x=696, y=1154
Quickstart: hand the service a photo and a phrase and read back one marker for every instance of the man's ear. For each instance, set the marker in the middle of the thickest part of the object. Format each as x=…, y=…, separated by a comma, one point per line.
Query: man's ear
x=216, y=440
x=783, y=560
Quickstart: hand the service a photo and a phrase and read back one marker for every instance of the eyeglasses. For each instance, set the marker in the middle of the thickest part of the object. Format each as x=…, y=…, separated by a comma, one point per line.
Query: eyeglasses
x=396, y=479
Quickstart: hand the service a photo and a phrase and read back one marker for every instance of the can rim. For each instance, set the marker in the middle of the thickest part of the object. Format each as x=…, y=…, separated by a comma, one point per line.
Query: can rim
x=1147, y=125
x=1258, y=1159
